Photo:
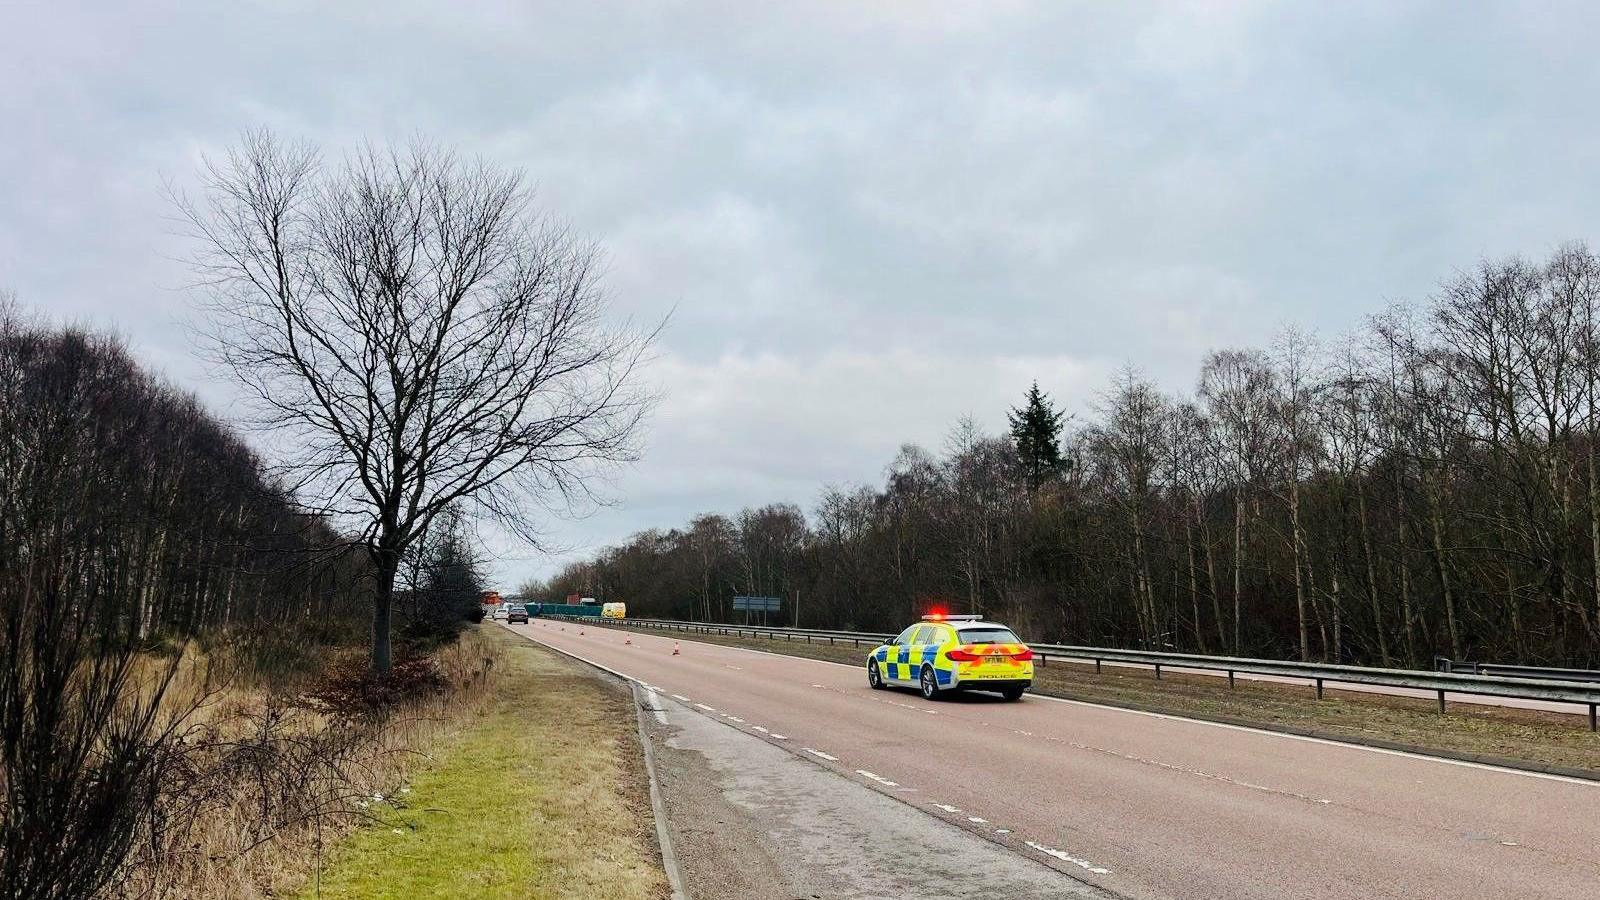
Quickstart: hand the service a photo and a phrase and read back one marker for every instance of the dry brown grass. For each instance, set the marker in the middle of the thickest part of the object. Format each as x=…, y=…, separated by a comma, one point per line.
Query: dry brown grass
x=264, y=780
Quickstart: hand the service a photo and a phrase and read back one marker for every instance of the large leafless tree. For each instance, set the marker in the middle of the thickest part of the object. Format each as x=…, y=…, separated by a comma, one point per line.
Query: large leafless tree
x=417, y=334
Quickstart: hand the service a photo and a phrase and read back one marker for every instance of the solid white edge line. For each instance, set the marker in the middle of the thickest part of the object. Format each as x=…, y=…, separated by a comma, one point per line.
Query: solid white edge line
x=669, y=859
x=1407, y=754
x=673, y=878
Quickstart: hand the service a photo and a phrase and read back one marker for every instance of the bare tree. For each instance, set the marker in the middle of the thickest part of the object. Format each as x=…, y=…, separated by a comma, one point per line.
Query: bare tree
x=1131, y=444
x=1236, y=388
x=1346, y=417
x=418, y=335
x=1297, y=449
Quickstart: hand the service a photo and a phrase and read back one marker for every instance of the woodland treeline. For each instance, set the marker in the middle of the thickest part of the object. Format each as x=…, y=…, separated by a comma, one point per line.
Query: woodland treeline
x=125, y=502
x=134, y=529
x=1424, y=486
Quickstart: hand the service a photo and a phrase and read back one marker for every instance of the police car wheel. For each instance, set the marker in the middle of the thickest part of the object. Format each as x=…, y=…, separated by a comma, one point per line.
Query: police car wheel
x=929, y=684
x=1012, y=693
x=874, y=677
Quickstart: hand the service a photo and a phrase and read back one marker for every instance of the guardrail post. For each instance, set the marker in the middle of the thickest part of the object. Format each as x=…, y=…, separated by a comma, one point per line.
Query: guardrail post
x=1319, y=688
x=1158, y=671
x=1230, y=679
x=1441, y=701
x=1097, y=665
x=1593, y=722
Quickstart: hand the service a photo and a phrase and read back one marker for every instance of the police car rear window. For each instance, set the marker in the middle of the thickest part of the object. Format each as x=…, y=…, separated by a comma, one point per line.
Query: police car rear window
x=988, y=636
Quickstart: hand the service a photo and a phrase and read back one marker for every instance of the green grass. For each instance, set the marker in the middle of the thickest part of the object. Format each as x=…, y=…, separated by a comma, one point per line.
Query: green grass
x=544, y=796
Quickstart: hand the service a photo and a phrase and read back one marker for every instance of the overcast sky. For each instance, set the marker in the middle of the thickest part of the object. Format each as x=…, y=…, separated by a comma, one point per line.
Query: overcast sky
x=871, y=218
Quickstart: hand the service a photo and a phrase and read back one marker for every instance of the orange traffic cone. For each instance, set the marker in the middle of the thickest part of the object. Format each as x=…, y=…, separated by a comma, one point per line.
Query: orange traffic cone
x=675, y=648
x=627, y=642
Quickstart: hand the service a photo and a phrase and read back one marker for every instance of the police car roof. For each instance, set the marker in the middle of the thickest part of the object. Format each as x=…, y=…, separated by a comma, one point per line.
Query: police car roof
x=962, y=623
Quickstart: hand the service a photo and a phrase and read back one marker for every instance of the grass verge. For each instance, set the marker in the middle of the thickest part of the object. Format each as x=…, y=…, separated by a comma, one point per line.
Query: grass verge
x=542, y=796
x=1525, y=738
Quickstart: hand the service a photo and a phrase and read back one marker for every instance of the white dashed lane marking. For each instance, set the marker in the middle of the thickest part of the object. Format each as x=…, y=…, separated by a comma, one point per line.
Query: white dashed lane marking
x=1052, y=852
x=1066, y=857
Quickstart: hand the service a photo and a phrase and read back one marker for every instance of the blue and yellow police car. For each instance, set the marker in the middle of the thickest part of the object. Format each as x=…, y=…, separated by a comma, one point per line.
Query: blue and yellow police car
x=953, y=653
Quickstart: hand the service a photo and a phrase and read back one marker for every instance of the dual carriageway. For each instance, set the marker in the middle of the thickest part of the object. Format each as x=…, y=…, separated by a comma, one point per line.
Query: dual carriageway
x=1137, y=804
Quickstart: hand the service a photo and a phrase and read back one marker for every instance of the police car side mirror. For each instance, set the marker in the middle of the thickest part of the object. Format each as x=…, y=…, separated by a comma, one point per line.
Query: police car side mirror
x=891, y=642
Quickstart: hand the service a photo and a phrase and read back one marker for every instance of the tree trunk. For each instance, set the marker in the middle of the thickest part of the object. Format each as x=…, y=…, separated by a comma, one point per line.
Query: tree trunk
x=1211, y=576
x=1338, y=619
x=1514, y=609
x=1594, y=531
x=386, y=561
x=1372, y=575
x=1238, y=564
x=1435, y=517
x=1299, y=578
x=1194, y=587
x=1146, y=595
x=1407, y=615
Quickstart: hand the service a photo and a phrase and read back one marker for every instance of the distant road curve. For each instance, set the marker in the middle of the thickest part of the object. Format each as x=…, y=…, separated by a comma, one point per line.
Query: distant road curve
x=1145, y=805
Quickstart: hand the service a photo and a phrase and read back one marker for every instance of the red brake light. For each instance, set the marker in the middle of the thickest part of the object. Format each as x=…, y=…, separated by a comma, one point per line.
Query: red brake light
x=968, y=653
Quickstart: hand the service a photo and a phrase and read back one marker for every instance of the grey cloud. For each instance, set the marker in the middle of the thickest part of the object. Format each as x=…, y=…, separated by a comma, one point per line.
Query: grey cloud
x=846, y=203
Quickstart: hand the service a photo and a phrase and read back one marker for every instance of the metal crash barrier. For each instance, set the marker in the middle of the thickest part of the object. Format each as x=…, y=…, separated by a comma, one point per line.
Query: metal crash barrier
x=1576, y=686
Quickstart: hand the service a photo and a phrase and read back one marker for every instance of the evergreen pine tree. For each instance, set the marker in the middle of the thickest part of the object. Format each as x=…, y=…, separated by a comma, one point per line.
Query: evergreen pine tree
x=1036, y=435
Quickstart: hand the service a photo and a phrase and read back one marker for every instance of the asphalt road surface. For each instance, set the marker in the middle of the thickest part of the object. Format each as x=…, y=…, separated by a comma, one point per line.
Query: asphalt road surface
x=752, y=821
x=1145, y=805
x=1570, y=709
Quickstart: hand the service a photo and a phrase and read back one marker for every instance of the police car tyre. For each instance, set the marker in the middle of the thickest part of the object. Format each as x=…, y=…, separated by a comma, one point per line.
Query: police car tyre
x=1012, y=693
x=874, y=677
x=929, y=683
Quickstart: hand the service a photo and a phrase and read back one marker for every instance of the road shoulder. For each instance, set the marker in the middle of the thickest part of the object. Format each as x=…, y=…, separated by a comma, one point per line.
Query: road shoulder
x=750, y=820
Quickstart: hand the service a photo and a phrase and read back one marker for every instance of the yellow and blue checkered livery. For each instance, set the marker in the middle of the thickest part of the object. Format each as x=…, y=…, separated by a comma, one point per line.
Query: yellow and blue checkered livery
x=952, y=653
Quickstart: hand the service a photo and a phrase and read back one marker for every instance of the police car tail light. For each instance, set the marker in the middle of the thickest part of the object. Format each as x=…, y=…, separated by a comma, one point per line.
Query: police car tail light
x=963, y=654
x=1023, y=655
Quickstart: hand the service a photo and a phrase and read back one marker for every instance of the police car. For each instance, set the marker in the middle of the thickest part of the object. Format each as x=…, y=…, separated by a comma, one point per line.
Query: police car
x=953, y=653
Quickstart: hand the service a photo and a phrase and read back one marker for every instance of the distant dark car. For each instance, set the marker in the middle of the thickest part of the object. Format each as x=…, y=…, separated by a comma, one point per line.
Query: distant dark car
x=517, y=614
